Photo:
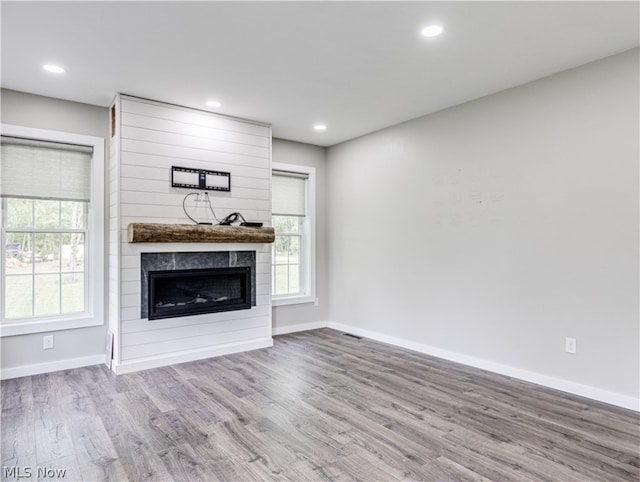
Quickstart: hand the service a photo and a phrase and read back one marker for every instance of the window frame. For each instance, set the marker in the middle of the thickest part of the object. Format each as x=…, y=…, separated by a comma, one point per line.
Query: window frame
x=308, y=261
x=94, y=243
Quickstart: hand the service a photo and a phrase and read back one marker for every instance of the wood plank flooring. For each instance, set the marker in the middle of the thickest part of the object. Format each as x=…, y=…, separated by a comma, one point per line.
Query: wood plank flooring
x=319, y=405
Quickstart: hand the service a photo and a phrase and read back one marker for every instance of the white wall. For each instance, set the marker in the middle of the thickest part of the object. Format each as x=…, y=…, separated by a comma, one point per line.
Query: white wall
x=306, y=315
x=23, y=354
x=514, y=218
x=150, y=138
x=491, y=231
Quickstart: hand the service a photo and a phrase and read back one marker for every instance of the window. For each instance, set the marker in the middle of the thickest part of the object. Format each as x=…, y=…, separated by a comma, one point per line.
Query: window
x=51, y=191
x=45, y=272
x=293, y=252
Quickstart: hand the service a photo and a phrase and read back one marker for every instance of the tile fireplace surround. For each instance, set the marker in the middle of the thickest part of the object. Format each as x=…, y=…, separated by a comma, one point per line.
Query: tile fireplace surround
x=193, y=260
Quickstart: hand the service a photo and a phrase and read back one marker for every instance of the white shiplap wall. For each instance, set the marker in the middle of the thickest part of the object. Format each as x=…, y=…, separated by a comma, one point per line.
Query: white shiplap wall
x=151, y=137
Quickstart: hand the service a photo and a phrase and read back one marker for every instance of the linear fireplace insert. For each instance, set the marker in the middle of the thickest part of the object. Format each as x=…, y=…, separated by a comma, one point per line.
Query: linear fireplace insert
x=185, y=292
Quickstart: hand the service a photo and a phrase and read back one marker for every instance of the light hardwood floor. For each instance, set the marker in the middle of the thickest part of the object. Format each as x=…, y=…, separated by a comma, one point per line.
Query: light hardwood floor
x=318, y=405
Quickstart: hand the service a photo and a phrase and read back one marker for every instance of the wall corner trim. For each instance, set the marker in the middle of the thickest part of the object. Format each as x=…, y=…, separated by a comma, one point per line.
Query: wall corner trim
x=587, y=391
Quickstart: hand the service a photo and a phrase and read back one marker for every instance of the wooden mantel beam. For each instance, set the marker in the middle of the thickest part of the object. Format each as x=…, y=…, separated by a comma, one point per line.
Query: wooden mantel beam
x=197, y=233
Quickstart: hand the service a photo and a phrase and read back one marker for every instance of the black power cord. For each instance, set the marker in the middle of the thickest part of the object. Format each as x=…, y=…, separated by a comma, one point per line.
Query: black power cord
x=206, y=194
x=231, y=218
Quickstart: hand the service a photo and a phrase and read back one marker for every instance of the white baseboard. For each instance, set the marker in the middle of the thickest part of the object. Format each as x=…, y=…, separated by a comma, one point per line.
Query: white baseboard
x=587, y=391
x=189, y=355
x=313, y=325
x=574, y=388
x=37, y=369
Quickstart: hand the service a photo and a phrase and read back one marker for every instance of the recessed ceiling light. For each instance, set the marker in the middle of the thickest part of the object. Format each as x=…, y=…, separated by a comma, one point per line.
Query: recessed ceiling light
x=213, y=103
x=320, y=127
x=55, y=69
x=432, y=30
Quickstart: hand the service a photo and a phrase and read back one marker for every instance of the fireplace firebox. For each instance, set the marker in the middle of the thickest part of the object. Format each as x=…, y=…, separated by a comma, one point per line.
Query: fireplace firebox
x=185, y=292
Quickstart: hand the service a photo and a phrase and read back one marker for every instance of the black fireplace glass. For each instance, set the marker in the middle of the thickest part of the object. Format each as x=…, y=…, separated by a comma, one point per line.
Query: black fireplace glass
x=185, y=292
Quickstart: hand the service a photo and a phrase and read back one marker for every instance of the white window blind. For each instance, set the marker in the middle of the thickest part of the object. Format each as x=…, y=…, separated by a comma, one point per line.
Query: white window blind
x=45, y=170
x=289, y=193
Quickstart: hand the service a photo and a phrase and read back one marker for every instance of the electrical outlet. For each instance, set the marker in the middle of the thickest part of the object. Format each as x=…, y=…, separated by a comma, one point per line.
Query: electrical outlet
x=47, y=342
x=570, y=345
x=316, y=302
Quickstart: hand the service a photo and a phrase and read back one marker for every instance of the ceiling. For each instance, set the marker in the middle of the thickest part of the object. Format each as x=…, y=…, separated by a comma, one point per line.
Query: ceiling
x=355, y=66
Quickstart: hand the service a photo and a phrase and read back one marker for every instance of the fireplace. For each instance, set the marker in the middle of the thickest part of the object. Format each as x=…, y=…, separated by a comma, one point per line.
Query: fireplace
x=193, y=262
x=185, y=292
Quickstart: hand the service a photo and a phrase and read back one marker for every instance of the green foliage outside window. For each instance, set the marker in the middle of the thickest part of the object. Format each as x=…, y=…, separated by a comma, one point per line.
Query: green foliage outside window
x=44, y=257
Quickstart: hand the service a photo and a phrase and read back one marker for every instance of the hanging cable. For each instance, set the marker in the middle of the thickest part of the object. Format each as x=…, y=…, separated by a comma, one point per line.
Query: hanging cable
x=184, y=207
x=231, y=218
x=211, y=207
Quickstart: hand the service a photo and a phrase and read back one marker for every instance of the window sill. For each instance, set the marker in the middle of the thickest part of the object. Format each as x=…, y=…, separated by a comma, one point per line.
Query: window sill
x=45, y=325
x=292, y=300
